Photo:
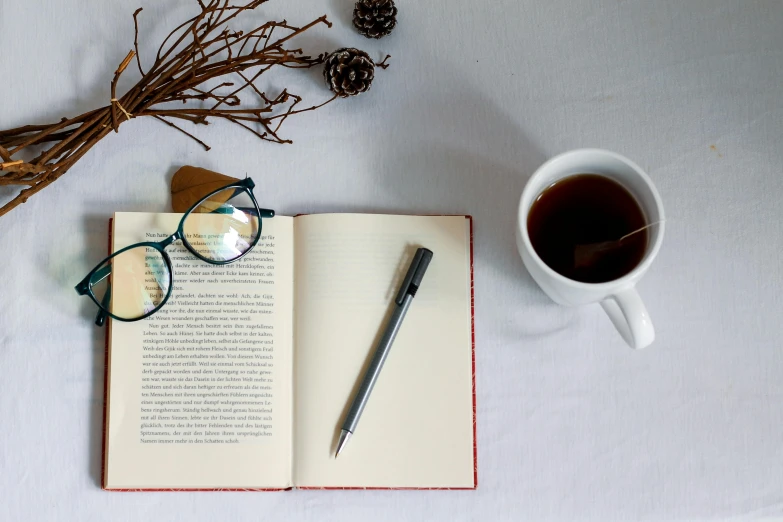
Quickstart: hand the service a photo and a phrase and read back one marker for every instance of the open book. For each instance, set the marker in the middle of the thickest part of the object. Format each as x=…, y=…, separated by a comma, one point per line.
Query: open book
x=242, y=380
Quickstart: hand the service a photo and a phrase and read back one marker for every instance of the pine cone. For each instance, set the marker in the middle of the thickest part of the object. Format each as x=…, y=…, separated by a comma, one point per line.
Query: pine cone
x=375, y=18
x=349, y=72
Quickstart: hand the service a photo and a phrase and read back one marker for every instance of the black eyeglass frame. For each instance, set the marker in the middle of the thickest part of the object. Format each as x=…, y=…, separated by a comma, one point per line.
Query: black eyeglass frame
x=101, y=272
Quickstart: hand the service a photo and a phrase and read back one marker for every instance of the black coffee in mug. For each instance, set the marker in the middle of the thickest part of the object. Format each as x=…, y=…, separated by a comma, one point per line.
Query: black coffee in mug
x=586, y=227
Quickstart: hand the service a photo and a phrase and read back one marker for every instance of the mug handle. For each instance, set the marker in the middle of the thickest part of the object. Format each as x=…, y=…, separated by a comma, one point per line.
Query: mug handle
x=629, y=315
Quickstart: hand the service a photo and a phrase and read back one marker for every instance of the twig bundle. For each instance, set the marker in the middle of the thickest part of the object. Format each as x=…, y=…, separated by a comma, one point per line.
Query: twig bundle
x=198, y=53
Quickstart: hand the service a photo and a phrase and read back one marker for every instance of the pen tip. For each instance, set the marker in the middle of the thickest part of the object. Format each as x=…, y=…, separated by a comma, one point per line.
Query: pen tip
x=344, y=436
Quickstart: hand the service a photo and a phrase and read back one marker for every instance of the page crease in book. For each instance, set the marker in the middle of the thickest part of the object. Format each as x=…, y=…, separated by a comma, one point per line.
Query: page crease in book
x=242, y=380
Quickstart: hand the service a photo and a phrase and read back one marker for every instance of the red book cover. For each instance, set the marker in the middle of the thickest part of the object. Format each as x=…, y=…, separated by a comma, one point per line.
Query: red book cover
x=473, y=377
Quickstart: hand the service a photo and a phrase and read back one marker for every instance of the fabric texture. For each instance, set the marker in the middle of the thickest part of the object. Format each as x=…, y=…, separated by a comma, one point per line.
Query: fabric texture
x=572, y=425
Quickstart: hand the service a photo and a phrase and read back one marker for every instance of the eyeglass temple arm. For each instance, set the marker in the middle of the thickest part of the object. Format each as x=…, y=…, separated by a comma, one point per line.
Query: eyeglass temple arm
x=100, y=319
x=264, y=212
x=99, y=276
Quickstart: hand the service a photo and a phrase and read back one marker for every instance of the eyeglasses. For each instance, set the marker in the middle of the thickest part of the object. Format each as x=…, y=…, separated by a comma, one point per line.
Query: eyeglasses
x=220, y=229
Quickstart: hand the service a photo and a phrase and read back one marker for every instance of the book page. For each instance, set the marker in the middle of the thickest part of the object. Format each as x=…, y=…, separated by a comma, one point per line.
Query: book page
x=417, y=428
x=200, y=392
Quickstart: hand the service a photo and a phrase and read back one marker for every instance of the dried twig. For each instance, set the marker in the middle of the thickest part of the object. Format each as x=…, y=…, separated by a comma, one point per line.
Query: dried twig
x=193, y=56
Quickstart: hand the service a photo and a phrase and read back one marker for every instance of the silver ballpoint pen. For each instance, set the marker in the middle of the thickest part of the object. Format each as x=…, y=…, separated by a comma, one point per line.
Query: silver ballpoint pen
x=403, y=301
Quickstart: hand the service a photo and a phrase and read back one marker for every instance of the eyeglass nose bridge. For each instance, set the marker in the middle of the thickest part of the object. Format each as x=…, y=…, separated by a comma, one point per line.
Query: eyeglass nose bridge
x=176, y=236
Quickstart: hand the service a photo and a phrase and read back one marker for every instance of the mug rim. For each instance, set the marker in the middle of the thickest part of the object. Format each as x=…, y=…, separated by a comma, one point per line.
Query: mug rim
x=650, y=254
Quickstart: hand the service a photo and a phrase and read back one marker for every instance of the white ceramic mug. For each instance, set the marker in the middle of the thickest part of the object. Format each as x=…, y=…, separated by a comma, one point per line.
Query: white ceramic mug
x=619, y=298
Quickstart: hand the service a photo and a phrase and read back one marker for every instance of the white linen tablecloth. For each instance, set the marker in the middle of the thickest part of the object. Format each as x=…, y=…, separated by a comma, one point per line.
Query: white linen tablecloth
x=571, y=423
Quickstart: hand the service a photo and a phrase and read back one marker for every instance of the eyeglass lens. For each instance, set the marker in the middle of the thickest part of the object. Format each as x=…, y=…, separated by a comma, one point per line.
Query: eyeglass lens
x=223, y=227
x=140, y=280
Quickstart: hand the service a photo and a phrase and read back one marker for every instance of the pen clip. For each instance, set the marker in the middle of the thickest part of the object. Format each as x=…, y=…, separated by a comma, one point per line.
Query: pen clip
x=415, y=274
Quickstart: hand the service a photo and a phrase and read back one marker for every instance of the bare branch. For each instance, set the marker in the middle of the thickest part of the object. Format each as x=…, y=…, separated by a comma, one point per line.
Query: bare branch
x=206, y=147
x=136, y=37
x=191, y=57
